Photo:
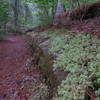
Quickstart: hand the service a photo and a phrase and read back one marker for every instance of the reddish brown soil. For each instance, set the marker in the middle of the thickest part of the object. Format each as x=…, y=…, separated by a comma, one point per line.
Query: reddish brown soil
x=14, y=52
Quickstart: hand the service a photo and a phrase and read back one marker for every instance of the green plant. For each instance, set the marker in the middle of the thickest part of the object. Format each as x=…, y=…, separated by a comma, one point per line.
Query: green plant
x=80, y=56
x=4, y=17
x=72, y=4
x=46, y=10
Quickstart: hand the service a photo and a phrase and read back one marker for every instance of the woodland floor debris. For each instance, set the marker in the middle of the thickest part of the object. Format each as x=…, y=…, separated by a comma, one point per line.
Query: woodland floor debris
x=17, y=81
x=91, y=26
x=15, y=77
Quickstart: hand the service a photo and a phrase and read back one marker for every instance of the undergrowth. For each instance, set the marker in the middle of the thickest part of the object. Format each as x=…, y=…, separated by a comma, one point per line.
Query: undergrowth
x=52, y=33
x=80, y=56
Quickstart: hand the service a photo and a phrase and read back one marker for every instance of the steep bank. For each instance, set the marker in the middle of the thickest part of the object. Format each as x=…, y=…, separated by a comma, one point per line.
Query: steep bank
x=45, y=62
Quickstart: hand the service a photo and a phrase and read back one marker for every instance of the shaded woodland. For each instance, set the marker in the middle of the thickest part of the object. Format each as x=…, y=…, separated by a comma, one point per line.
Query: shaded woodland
x=49, y=50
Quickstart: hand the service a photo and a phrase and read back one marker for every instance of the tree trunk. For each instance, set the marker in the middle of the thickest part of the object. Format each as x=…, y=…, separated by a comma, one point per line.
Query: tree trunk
x=4, y=28
x=16, y=13
x=78, y=3
x=59, y=11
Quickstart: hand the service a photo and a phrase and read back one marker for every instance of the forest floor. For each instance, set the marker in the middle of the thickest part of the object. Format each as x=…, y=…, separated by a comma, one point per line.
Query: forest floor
x=14, y=77
x=76, y=26
x=15, y=54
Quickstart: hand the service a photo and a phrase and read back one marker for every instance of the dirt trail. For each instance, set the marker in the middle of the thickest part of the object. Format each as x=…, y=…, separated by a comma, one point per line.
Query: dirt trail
x=14, y=52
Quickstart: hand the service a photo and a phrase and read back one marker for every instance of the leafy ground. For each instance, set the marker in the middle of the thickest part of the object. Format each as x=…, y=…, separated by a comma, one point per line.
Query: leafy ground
x=22, y=80
x=76, y=62
x=76, y=26
x=18, y=81
x=63, y=62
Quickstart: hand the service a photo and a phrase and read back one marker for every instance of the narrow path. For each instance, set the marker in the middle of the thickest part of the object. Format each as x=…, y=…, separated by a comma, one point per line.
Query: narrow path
x=14, y=53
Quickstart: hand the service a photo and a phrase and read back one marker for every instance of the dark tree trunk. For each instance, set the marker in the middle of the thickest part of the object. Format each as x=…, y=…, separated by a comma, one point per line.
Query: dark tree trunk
x=16, y=13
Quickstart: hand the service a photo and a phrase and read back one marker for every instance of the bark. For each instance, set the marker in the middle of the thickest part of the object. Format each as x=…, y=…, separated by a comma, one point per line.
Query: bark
x=78, y=3
x=59, y=11
x=4, y=28
x=59, y=8
x=16, y=14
